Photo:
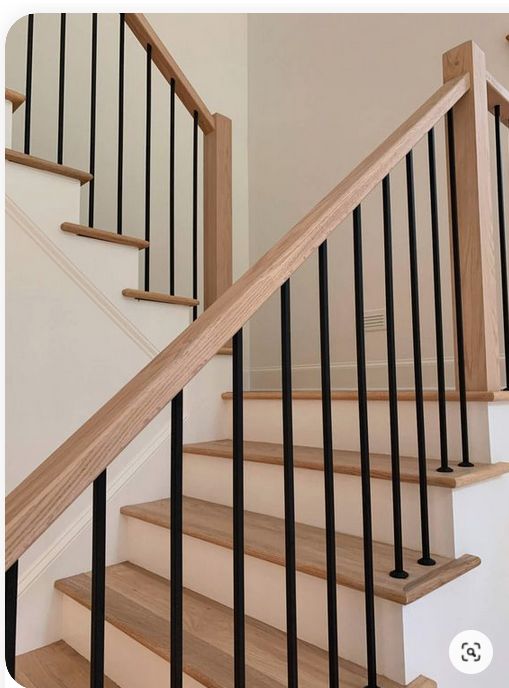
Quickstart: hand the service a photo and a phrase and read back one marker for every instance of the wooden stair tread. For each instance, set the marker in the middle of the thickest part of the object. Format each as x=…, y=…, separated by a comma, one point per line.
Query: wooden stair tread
x=55, y=666
x=373, y=395
x=138, y=603
x=103, y=235
x=47, y=166
x=15, y=97
x=264, y=539
x=348, y=462
x=159, y=297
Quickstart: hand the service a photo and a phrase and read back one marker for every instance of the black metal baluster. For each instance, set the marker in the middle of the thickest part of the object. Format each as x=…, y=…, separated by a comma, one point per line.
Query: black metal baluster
x=28, y=84
x=458, y=299
x=328, y=461
x=61, y=92
x=437, y=286
x=289, y=488
x=148, y=135
x=195, y=211
x=369, y=587
x=172, y=186
x=503, y=245
x=399, y=571
x=176, y=624
x=93, y=109
x=98, y=582
x=120, y=162
x=239, y=641
x=426, y=559
x=11, y=617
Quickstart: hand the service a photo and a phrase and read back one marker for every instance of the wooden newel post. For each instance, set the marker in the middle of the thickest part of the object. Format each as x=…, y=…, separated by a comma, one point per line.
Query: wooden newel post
x=217, y=219
x=475, y=219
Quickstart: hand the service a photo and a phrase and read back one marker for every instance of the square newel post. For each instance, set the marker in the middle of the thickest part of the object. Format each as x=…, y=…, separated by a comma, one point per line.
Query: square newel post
x=475, y=219
x=217, y=230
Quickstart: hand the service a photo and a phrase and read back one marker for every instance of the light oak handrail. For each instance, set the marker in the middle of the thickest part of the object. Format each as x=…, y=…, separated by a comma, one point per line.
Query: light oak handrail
x=38, y=501
x=163, y=60
x=498, y=95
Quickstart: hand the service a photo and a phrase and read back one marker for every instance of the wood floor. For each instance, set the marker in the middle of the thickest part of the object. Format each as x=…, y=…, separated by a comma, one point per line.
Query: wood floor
x=55, y=666
x=138, y=603
x=265, y=539
x=348, y=462
x=375, y=395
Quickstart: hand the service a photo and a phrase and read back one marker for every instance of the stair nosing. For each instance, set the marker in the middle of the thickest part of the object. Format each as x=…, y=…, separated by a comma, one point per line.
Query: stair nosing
x=159, y=297
x=399, y=592
x=47, y=166
x=461, y=477
x=103, y=235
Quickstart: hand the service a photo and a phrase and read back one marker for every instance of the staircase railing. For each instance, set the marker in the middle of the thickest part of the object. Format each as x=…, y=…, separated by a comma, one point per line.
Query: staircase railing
x=84, y=457
x=217, y=165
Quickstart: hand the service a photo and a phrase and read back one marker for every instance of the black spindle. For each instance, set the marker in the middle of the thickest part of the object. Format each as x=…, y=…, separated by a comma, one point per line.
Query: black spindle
x=369, y=587
x=328, y=461
x=289, y=489
x=399, y=571
x=458, y=299
x=61, y=91
x=176, y=626
x=120, y=160
x=503, y=245
x=148, y=135
x=172, y=186
x=28, y=83
x=93, y=109
x=98, y=582
x=425, y=560
x=437, y=287
x=195, y=211
x=11, y=616
x=239, y=641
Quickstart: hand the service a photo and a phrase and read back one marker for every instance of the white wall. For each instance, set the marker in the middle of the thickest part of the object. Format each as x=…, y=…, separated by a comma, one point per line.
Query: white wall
x=212, y=51
x=324, y=90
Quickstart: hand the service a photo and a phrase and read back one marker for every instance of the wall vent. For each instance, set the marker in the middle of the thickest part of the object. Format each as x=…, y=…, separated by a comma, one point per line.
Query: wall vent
x=374, y=321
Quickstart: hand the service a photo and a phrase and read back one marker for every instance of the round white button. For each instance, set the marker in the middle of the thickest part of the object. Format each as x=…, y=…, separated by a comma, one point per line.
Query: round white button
x=471, y=652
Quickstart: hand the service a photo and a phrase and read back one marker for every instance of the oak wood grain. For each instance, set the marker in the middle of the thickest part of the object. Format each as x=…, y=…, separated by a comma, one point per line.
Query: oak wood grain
x=159, y=297
x=217, y=210
x=348, y=462
x=265, y=539
x=15, y=97
x=38, y=501
x=166, y=64
x=374, y=395
x=103, y=235
x=138, y=603
x=55, y=666
x=47, y=166
x=475, y=219
x=498, y=95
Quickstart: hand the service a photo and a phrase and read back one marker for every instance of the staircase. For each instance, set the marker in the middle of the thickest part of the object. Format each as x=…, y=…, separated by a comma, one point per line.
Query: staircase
x=285, y=517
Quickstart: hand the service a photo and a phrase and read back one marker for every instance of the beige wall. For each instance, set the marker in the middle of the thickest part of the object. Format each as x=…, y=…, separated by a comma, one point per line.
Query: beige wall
x=324, y=90
x=212, y=51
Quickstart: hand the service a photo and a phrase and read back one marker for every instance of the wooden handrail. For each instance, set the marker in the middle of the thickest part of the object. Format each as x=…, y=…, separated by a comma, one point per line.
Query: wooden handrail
x=498, y=95
x=161, y=57
x=38, y=501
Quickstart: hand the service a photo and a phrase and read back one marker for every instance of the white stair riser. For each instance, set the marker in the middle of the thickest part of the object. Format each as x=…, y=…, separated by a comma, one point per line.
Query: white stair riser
x=208, y=569
x=486, y=426
x=127, y=662
x=8, y=124
x=111, y=267
x=210, y=479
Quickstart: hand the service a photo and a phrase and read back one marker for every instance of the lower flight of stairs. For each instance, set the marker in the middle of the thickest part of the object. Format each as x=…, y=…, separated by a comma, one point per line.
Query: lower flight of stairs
x=138, y=590
x=137, y=607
